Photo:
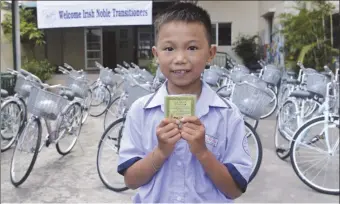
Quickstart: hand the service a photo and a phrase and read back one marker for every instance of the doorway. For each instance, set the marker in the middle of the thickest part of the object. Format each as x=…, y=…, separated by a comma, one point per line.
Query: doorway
x=109, y=49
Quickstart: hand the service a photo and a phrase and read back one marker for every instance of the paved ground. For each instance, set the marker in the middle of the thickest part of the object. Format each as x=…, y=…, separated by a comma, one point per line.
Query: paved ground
x=74, y=178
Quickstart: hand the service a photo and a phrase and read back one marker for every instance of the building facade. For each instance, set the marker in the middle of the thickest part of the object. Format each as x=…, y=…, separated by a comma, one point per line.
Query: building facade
x=109, y=45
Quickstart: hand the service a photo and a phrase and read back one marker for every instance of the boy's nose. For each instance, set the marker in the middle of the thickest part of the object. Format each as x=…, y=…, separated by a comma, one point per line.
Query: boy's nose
x=180, y=58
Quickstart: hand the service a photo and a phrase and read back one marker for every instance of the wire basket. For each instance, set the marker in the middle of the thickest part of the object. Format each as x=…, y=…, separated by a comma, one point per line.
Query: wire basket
x=271, y=75
x=317, y=84
x=79, y=87
x=211, y=77
x=237, y=75
x=135, y=92
x=107, y=77
x=45, y=104
x=250, y=99
x=252, y=79
x=23, y=86
x=8, y=82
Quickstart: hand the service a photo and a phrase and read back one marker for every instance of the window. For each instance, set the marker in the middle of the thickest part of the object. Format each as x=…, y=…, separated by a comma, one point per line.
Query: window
x=224, y=34
x=213, y=34
x=145, y=43
x=93, y=40
x=221, y=34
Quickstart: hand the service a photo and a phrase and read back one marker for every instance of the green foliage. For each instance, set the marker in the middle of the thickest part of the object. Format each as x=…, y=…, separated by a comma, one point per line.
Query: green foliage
x=247, y=48
x=42, y=69
x=152, y=67
x=29, y=33
x=305, y=35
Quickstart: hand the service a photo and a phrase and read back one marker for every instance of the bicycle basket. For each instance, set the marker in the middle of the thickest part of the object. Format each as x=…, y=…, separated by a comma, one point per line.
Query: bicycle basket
x=250, y=99
x=271, y=75
x=211, y=77
x=256, y=81
x=8, y=82
x=317, y=84
x=135, y=92
x=23, y=86
x=80, y=87
x=236, y=75
x=106, y=76
x=45, y=104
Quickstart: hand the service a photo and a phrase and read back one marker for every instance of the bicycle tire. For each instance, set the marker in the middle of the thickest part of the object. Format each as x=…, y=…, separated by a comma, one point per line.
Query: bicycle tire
x=293, y=160
x=22, y=119
x=73, y=143
x=35, y=155
x=260, y=151
x=101, y=176
x=106, y=106
x=107, y=112
x=274, y=107
x=87, y=106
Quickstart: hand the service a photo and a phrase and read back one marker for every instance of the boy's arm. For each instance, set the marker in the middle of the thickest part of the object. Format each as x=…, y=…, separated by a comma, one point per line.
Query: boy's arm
x=232, y=173
x=134, y=164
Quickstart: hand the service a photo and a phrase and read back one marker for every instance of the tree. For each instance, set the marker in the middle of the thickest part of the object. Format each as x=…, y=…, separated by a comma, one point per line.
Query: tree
x=305, y=35
x=30, y=35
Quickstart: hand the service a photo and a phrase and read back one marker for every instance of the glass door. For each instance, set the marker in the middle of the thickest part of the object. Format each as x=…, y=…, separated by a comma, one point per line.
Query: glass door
x=93, y=47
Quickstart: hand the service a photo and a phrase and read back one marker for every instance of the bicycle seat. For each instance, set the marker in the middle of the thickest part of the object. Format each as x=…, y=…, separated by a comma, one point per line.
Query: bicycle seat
x=4, y=93
x=300, y=94
x=68, y=93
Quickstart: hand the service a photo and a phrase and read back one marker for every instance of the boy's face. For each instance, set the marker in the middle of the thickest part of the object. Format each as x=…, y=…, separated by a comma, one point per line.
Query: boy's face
x=183, y=51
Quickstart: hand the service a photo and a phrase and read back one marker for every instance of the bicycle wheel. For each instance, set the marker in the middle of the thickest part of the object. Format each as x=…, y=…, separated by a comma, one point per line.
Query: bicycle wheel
x=313, y=143
x=87, y=106
x=101, y=98
x=12, y=118
x=255, y=148
x=69, y=127
x=31, y=131
x=286, y=125
x=107, y=157
x=272, y=105
x=112, y=113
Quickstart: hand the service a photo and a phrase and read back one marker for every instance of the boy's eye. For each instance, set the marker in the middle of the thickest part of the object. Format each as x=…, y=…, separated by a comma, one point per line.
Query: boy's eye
x=168, y=49
x=192, y=48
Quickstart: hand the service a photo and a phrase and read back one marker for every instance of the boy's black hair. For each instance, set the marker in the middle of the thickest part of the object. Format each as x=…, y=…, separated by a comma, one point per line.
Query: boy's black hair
x=186, y=12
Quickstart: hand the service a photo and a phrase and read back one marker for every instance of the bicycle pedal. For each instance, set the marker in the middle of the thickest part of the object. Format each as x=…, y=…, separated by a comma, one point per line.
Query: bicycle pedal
x=281, y=150
x=47, y=143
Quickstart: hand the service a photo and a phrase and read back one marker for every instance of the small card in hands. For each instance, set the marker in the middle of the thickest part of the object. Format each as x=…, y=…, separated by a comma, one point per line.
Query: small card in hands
x=179, y=106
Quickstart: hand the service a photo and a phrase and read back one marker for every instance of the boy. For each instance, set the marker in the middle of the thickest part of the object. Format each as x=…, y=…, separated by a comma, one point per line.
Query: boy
x=204, y=160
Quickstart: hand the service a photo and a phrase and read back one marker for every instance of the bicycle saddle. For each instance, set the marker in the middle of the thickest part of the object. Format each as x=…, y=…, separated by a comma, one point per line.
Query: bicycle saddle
x=300, y=94
x=224, y=93
x=68, y=93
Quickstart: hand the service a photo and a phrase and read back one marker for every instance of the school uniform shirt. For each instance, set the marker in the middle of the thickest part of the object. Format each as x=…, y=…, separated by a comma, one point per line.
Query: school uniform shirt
x=182, y=177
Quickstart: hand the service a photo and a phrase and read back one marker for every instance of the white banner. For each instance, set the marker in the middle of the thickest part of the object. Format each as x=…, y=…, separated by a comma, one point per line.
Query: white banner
x=62, y=14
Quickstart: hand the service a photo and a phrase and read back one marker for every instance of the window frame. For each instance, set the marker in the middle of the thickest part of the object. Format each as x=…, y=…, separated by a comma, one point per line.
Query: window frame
x=217, y=33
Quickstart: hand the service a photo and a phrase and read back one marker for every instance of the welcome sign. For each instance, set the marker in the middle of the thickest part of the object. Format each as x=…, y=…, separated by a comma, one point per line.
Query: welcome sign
x=62, y=14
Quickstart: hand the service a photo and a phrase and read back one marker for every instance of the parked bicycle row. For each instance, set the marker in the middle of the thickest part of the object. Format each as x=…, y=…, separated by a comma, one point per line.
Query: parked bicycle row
x=258, y=96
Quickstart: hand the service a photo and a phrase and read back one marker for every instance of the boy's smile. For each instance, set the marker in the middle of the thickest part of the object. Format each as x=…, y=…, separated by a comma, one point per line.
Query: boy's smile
x=183, y=52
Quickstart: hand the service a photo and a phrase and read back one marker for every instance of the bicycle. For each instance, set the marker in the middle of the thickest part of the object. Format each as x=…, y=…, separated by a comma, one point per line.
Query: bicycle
x=13, y=108
x=299, y=107
x=133, y=90
x=59, y=108
x=320, y=143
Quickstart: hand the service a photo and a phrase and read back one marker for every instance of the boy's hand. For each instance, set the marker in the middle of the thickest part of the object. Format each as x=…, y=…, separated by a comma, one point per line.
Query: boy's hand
x=167, y=134
x=193, y=131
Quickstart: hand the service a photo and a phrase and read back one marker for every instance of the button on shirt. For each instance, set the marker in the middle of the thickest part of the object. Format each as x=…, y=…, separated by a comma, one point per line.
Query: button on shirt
x=182, y=177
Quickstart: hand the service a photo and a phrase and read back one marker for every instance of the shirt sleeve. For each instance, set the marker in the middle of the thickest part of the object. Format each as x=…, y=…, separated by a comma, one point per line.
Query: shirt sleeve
x=131, y=144
x=236, y=157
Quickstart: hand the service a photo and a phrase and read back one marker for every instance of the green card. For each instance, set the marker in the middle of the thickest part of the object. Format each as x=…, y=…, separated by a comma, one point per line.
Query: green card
x=179, y=106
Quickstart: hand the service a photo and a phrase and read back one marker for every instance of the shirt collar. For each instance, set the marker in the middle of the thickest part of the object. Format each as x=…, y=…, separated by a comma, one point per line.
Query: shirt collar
x=208, y=98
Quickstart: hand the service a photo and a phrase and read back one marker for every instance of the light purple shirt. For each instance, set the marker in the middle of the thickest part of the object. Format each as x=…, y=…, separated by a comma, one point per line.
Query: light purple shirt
x=182, y=177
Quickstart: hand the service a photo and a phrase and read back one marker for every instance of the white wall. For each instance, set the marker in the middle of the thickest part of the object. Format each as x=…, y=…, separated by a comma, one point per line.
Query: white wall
x=242, y=14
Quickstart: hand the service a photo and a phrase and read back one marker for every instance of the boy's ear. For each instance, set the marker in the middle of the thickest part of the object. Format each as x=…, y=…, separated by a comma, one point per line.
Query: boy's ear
x=154, y=51
x=212, y=53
